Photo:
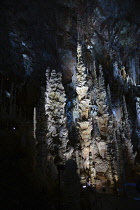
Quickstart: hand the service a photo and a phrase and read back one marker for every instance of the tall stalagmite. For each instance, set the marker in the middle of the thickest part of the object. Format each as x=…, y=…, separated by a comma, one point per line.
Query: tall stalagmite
x=100, y=132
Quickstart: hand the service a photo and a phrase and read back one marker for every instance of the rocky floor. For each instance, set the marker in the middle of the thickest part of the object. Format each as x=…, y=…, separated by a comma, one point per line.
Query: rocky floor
x=117, y=203
x=100, y=201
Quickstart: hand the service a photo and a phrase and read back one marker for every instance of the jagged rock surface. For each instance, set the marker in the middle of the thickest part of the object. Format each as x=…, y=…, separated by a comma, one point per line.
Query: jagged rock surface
x=97, y=127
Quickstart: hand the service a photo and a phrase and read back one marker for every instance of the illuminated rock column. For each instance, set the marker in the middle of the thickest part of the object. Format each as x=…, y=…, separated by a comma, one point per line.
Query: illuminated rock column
x=55, y=101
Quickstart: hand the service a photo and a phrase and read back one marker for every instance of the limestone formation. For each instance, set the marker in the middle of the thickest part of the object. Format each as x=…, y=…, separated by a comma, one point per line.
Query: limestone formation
x=55, y=100
x=81, y=91
x=51, y=131
x=100, y=126
x=87, y=109
x=102, y=129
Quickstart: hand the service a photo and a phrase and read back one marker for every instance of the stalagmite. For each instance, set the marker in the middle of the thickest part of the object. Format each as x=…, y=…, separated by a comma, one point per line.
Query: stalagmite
x=102, y=128
x=55, y=100
x=97, y=122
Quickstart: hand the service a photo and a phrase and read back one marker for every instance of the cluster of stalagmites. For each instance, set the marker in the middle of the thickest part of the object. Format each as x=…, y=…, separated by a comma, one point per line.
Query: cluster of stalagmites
x=103, y=136
x=103, y=131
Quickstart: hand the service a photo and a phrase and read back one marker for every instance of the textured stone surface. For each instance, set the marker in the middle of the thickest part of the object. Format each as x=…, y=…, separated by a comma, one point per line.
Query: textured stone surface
x=101, y=148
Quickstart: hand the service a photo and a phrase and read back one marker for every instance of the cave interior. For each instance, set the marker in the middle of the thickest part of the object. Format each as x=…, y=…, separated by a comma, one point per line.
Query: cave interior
x=69, y=104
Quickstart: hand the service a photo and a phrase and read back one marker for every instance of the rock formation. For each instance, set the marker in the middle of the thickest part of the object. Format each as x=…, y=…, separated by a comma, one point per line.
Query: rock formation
x=52, y=131
x=103, y=136
x=87, y=109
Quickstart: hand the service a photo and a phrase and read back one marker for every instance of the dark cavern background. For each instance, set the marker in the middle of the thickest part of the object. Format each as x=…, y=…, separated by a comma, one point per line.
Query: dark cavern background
x=69, y=104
